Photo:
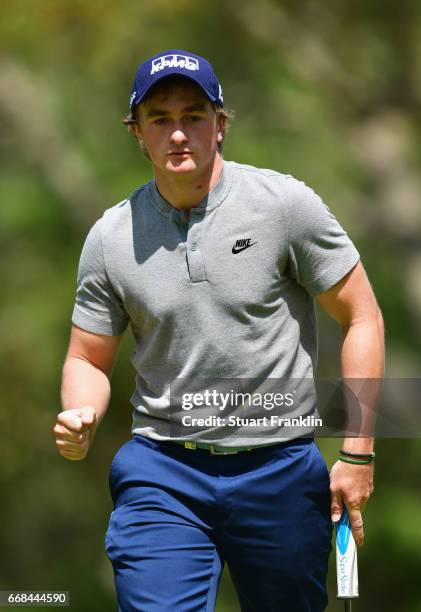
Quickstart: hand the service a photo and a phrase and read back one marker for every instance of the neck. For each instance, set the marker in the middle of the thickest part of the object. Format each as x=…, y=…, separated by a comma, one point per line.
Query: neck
x=187, y=191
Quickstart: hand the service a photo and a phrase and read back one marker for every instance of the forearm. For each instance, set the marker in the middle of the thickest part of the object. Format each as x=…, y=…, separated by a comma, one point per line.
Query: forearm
x=362, y=363
x=83, y=384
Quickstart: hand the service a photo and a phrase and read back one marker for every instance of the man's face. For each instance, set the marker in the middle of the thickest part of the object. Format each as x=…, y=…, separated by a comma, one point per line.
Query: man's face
x=179, y=129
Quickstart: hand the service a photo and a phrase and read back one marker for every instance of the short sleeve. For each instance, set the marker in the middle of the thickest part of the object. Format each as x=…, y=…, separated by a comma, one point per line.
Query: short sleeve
x=320, y=251
x=97, y=308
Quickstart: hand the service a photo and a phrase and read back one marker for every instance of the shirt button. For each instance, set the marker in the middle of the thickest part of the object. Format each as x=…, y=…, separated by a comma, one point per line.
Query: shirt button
x=193, y=246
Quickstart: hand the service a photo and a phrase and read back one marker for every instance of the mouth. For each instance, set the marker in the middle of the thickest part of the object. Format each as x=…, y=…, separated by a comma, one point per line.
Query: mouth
x=180, y=153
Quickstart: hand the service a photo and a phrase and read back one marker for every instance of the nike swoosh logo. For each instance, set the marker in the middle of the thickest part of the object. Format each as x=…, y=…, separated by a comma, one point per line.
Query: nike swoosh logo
x=243, y=248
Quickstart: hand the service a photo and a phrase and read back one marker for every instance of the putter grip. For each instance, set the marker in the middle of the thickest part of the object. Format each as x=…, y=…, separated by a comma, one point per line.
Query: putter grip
x=346, y=559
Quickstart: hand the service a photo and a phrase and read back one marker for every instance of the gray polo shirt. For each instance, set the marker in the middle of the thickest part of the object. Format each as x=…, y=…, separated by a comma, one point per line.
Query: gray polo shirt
x=227, y=295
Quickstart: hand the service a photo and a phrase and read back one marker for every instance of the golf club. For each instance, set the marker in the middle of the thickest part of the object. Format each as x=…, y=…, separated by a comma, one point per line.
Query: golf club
x=346, y=562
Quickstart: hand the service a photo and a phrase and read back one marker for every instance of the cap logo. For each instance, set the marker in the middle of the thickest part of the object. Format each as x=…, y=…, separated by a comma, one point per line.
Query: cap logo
x=174, y=61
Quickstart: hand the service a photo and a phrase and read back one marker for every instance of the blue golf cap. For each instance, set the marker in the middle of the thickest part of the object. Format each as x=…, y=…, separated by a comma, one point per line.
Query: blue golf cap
x=171, y=62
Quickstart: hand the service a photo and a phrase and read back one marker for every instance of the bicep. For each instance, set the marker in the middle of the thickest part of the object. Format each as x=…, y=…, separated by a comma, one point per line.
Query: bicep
x=98, y=349
x=351, y=299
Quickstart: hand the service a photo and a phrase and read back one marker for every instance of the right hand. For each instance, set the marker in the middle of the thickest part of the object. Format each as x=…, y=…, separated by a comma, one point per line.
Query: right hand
x=74, y=432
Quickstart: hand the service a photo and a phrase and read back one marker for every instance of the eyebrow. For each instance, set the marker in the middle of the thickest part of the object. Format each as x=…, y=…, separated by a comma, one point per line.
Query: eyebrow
x=158, y=112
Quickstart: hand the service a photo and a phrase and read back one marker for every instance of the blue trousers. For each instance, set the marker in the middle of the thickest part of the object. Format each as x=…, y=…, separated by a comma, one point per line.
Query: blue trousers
x=181, y=514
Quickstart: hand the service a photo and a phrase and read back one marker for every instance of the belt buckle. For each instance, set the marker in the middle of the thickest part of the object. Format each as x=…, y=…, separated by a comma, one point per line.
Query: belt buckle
x=214, y=451
x=190, y=445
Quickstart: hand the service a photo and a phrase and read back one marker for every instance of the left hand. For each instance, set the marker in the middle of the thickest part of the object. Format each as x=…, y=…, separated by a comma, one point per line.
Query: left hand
x=351, y=484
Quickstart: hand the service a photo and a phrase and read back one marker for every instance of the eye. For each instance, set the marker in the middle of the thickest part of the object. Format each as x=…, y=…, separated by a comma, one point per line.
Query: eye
x=160, y=121
x=194, y=118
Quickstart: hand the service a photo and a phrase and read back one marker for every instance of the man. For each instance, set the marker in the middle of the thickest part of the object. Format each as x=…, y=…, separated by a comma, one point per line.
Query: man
x=216, y=266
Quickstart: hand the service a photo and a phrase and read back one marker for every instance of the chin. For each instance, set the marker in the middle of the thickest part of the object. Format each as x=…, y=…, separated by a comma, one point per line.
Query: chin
x=182, y=167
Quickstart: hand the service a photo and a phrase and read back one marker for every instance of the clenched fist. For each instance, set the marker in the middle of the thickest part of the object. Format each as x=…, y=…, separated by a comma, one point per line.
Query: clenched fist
x=74, y=432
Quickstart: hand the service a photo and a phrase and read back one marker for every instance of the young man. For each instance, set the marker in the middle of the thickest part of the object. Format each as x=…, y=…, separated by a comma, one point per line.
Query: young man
x=216, y=266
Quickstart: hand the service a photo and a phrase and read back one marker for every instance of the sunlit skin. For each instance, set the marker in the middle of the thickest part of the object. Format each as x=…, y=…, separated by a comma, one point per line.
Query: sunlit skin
x=180, y=131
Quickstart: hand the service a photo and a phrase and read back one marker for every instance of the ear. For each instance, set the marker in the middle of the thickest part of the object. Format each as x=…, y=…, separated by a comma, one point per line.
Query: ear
x=221, y=129
x=135, y=130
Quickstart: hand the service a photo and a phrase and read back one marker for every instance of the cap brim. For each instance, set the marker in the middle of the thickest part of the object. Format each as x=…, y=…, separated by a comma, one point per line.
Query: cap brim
x=139, y=100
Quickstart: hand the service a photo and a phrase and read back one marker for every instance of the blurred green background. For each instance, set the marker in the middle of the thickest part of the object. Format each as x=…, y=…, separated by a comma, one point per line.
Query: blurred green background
x=327, y=91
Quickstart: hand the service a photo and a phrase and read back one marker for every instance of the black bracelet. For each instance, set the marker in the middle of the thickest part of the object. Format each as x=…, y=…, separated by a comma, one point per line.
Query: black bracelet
x=357, y=455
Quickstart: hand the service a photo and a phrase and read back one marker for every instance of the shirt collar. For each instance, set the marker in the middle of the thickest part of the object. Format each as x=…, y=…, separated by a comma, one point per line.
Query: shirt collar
x=211, y=201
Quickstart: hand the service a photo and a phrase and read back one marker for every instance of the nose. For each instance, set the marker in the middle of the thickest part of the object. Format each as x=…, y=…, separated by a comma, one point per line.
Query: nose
x=179, y=137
